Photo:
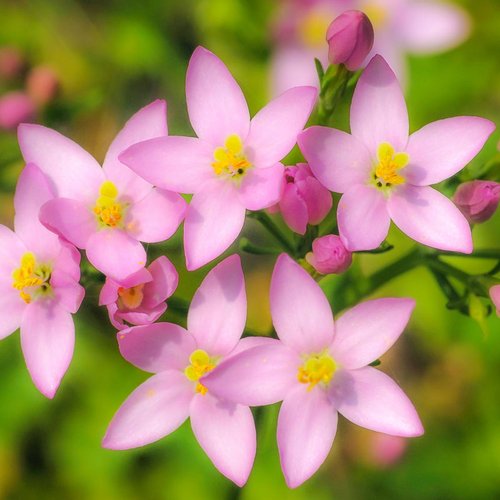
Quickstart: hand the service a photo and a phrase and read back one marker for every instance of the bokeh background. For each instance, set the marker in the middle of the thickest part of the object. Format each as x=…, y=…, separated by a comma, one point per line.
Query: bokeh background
x=111, y=57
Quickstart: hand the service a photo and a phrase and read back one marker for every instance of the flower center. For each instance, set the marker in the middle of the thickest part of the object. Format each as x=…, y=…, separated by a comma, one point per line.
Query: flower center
x=130, y=298
x=31, y=278
x=312, y=29
x=230, y=161
x=385, y=174
x=317, y=368
x=201, y=364
x=377, y=14
x=108, y=210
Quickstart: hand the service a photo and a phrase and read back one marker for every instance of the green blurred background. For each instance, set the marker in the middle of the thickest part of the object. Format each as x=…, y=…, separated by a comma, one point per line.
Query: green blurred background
x=113, y=57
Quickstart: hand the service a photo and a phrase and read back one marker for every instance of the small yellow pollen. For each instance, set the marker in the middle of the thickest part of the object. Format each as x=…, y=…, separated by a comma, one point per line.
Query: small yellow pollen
x=385, y=173
x=108, y=210
x=31, y=277
x=230, y=161
x=201, y=364
x=317, y=368
x=130, y=298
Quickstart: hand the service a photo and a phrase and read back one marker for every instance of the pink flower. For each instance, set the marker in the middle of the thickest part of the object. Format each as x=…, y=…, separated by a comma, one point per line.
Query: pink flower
x=304, y=200
x=318, y=371
x=350, y=39
x=15, y=107
x=385, y=174
x=232, y=165
x=495, y=297
x=140, y=298
x=39, y=286
x=179, y=359
x=477, y=200
x=106, y=211
x=329, y=255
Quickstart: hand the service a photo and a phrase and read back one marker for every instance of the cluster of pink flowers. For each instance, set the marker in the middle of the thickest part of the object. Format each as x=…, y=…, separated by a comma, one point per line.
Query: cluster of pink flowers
x=66, y=201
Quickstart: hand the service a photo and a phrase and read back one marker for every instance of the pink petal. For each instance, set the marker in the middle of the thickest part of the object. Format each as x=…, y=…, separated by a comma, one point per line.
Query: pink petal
x=68, y=291
x=246, y=343
x=158, y=347
x=430, y=218
x=12, y=308
x=115, y=253
x=274, y=129
x=371, y=399
x=156, y=408
x=138, y=317
x=11, y=251
x=440, y=149
x=214, y=219
x=301, y=313
x=318, y=200
x=307, y=424
x=164, y=282
x=73, y=172
x=70, y=219
x=294, y=209
x=362, y=217
x=338, y=160
x=148, y=123
x=32, y=192
x=378, y=110
x=68, y=260
x=258, y=376
x=368, y=330
x=262, y=187
x=180, y=164
x=47, y=340
x=156, y=217
x=218, y=311
x=216, y=105
x=226, y=432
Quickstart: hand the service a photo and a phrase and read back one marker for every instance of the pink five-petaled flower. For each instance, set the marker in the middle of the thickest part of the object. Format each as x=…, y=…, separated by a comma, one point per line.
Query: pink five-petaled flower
x=39, y=286
x=179, y=358
x=384, y=174
x=318, y=371
x=106, y=211
x=140, y=298
x=232, y=165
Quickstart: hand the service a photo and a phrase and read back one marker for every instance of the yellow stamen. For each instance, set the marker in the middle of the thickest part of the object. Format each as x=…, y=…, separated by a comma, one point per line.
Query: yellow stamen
x=130, y=298
x=31, y=278
x=230, y=160
x=386, y=173
x=317, y=368
x=201, y=364
x=108, y=209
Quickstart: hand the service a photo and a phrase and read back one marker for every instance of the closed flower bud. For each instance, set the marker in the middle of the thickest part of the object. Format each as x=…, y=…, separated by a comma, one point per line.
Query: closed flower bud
x=350, y=39
x=305, y=200
x=329, y=255
x=477, y=200
x=15, y=107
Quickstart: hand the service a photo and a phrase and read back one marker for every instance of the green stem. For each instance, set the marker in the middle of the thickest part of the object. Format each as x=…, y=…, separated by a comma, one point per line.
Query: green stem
x=247, y=246
x=485, y=253
x=447, y=270
x=269, y=224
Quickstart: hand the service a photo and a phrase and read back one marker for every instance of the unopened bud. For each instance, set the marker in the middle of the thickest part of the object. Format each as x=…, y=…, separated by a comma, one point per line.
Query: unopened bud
x=329, y=255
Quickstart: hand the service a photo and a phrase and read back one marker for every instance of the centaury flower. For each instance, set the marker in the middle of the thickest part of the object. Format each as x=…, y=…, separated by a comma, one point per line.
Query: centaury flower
x=385, y=174
x=232, y=165
x=106, y=211
x=318, y=370
x=179, y=359
x=39, y=277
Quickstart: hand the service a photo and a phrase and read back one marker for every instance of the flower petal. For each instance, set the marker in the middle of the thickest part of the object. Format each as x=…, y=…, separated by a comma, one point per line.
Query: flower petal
x=293, y=209
x=11, y=251
x=47, y=340
x=301, y=313
x=430, y=218
x=226, y=432
x=362, y=217
x=371, y=399
x=73, y=172
x=148, y=123
x=214, y=219
x=180, y=164
x=156, y=408
x=216, y=105
x=368, y=330
x=163, y=284
x=68, y=291
x=115, y=253
x=258, y=376
x=378, y=110
x=11, y=309
x=307, y=424
x=274, y=129
x=442, y=148
x=262, y=187
x=338, y=160
x=156, y=217
x=156, y=348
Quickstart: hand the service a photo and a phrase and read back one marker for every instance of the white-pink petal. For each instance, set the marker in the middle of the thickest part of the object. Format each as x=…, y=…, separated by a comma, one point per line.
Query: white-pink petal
x=262, y=187
x=12, y=308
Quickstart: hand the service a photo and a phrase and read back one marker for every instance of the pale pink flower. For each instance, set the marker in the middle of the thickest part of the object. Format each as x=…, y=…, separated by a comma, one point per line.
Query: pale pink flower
x=15, y=107
x=385, y=174
x=106, y=211
x=39, y=286
x=140, y=298
x=232, y=166
x=318, y=370
x=477, y=200
x=329, y=255
x=179, y=359
x=495, y=297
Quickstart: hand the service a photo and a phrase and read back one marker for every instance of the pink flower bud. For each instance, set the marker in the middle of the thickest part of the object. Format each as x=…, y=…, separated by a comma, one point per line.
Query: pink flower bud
x=495, y=297
x=15, y=108
x=305, y=200
x=42, y=84
x=329, y=255
x=477, y=200
x=387, y=450
x=11, y=63
x=350, y=39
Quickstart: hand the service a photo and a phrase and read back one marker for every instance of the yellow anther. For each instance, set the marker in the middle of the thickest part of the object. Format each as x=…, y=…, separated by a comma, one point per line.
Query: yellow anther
x=317, y=368
x=30, y=277
x=386, y=173
x=230, y=161
x=130, y=298
x=108, y=210
x=201, y=364
x=108, y=190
